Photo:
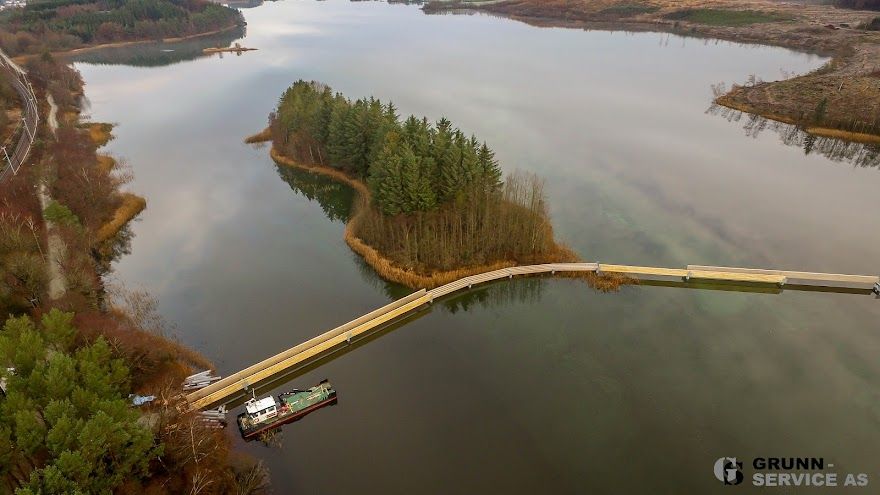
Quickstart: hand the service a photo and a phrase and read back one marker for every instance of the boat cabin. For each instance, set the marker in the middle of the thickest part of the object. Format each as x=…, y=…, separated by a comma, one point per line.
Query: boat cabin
x=261, y=409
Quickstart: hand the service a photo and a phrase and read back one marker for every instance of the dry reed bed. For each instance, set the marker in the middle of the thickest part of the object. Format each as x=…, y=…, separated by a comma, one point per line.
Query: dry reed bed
x=131, y=207
x=858, y=137
x=100, y=133
x=829, y=132
x=106, y=163
x=261, y=137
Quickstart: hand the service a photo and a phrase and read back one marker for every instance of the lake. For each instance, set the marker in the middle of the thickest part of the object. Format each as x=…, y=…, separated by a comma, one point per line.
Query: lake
x=532, y=385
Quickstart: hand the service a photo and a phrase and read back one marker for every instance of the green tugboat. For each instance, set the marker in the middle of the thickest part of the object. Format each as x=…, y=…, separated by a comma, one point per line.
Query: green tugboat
x=267, y=413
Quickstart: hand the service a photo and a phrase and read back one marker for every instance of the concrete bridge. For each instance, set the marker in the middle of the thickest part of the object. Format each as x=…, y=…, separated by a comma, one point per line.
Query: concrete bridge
x=297, y=358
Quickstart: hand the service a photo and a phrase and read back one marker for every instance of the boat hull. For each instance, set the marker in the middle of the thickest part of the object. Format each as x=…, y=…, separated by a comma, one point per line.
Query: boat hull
x=254, y=432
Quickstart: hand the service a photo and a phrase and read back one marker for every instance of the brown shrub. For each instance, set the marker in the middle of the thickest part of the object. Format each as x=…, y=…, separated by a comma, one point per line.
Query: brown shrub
x=153, y=360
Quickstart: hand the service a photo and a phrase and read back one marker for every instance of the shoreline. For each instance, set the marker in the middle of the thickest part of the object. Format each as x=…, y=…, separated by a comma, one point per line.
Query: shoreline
x=132, y=206
x=69, y=262
x=384, y=267
x=816, y=30
x=117, y=44
x=819, y=131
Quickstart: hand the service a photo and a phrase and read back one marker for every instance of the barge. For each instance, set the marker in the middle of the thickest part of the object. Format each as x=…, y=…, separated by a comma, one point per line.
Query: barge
x=265, y=414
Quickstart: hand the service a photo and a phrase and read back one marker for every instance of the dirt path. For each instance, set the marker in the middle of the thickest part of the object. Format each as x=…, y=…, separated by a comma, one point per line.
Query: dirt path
x=54, y=245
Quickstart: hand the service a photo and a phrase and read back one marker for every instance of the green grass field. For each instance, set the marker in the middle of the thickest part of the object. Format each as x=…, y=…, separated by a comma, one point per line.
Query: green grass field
x=719, y=17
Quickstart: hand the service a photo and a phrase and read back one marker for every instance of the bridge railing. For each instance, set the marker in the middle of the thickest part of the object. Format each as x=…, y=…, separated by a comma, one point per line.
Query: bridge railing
x=510, y=273
x=240, y=379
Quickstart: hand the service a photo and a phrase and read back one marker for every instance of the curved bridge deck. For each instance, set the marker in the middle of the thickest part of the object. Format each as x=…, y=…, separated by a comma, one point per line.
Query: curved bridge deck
x=237, y=385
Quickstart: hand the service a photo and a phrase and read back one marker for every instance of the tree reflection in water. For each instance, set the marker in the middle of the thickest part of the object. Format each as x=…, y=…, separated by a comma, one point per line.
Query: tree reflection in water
x=838, y=150
x=158, y=54
x=336, y=199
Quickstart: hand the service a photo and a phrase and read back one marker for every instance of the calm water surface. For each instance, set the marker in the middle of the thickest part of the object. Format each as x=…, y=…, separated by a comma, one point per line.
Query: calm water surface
x=527, y=386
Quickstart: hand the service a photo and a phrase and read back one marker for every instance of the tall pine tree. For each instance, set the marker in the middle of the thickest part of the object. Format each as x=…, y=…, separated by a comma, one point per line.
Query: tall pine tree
x=386, y=177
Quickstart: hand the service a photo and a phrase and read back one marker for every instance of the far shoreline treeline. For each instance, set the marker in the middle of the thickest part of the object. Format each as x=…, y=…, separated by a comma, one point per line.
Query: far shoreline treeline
x=433, y=205
x=65, y=25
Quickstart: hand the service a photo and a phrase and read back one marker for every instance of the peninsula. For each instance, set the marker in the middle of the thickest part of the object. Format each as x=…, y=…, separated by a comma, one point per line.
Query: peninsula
x=840, y=99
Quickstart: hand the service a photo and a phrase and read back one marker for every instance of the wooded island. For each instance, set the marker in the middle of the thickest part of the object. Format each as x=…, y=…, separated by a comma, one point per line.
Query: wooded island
x=434, y=202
